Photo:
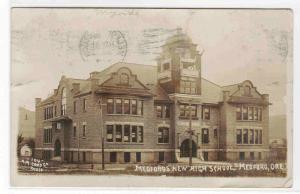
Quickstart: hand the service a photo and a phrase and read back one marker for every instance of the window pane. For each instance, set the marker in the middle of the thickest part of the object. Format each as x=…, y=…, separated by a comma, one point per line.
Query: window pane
x=167, y=111
x=165, y=135
x=158, y=111
x=140, y=107
x=256, y=137
x=118, y=133
x=205, y=136
x=133, y=107
x=118, y=106
x=250, y=114
x=109, y=133
x=126, y=133
x=238, y=113
x=251, y=134
x=245, y=136
x=260, y=137
x=140, y=134
x=134, y=134
x=110, y=106
x=239, y=136
x=255, y=114
x=160, y=135
x=126, y=106
x=245, y=113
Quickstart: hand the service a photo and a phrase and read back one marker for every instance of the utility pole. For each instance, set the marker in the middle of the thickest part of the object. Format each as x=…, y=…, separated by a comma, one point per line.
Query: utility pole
x=102, y=133
x=190, y=135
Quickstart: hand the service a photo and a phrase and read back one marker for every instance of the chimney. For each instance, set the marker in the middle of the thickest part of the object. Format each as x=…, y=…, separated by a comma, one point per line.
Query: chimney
x=76, y=87
x=55, y=91
x=94, y=83
x=93, y=74
x=225, y=95
x=265, y=97
x=37, y=101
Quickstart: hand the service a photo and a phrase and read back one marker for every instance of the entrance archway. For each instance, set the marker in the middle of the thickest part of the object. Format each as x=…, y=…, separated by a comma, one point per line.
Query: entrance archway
x=185, y=148
x=57, y=148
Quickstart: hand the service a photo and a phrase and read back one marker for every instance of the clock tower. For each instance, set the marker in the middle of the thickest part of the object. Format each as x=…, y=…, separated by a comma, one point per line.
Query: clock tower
x=179, y=65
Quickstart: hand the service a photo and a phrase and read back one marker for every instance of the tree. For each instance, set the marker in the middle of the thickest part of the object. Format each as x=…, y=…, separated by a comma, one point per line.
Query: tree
x=20, y=140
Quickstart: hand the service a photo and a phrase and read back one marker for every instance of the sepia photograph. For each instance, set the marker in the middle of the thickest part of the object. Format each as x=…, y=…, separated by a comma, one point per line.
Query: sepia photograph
x=151, y=94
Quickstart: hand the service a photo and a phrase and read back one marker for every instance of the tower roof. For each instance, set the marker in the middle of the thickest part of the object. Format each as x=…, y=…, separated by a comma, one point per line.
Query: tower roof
x=179, y=37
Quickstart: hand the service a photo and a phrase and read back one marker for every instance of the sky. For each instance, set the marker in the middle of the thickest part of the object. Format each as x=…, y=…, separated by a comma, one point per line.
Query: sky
x=238, y=45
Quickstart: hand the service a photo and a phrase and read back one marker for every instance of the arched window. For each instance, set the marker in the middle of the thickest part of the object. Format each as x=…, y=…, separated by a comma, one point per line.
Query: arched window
x=63, y=101
x=247, y=90
x=124, y=79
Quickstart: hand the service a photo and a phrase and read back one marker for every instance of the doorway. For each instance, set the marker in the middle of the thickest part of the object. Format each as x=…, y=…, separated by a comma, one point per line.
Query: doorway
x=185, y=148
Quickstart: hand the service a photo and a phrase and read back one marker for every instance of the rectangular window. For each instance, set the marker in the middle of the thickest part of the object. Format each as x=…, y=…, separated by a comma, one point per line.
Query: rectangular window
x=185, y=110
x=252, y=157
x=126, y=133
x=83, y=157
x=126, y=157
x=138, y=157
x=188, y=87
x=74, y=106
x=206, y=113
x=84, y=104
x=84, y=130
x=118, y=133
x=140, y=134
x=55, y=112
x=133, y=107
x=161, y=156
x=134, y=134
x=245, y=113
x=245, y=136
x=205, y=135
x=158, y=111
x=239, y=136
x=109, y=133
x=113, y=157
x=126, y=106
x=242, y=155
x=167, y=111
x=259, y=114
x=110, y=106
x=118, y=106
x=163, y=135
x=140, y=107
x=238, y=113
x=256, y=137
x=48, y=135
x=251, y=134
x=63, y=109
x=255, y=115
x=260, y=137
x=250, y=113
x=74, y=131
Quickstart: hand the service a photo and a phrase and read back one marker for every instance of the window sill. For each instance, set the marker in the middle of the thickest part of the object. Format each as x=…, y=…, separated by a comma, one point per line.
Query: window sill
x=187, y=118
x=163, y=143
x=124, y=115
x=125, y=143
x=47, y=143
x=248, y=121
x=249, y=144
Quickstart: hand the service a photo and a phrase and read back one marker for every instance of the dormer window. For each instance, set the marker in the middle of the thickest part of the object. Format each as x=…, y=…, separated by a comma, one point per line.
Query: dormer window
x=124, y=79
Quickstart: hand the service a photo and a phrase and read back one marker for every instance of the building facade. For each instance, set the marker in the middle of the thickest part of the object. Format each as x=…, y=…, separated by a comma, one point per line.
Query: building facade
x=142, y=114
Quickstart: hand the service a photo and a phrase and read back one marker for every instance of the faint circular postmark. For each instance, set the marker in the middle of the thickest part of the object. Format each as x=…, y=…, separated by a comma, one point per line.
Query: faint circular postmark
x=103, y=47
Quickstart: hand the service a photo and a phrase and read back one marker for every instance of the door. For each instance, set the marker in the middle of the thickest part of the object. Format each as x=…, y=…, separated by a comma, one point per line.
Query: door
x=185, y=148
x=57, y=148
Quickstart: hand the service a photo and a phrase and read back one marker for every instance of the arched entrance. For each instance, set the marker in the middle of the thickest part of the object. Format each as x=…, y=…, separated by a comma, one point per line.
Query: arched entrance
x=185, y=147
x=57, y=148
